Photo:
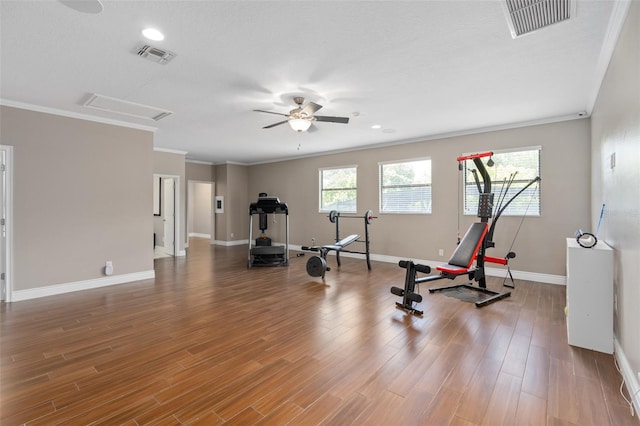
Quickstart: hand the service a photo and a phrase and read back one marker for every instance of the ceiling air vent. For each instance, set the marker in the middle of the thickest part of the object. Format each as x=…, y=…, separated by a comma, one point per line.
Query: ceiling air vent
x=155, y=55
x=525, y=16
x=119, y=106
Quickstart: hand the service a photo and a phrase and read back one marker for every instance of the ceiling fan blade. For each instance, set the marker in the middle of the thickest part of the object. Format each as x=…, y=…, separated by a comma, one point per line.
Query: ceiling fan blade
x=271, y=112
x=310, y=108
x=275, y=124
x=343, y=120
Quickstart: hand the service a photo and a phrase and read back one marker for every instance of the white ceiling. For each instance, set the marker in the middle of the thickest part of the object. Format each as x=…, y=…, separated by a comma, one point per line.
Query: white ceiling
x=420, y=69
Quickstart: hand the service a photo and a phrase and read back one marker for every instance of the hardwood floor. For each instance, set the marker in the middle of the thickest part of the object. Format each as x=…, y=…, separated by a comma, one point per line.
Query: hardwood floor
x=211, y=342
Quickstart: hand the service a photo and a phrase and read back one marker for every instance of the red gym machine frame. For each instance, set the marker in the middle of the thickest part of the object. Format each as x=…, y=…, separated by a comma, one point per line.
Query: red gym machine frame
x=472, y=247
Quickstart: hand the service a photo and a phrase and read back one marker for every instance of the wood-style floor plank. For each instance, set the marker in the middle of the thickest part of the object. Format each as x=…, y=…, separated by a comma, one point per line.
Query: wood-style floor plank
x=504, y=401
x=531, y=410
x=536, y=377
x=210, y=342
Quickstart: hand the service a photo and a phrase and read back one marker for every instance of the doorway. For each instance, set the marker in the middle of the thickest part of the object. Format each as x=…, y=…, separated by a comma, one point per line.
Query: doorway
x=6, y=208
x=200, y=212
x=169, y=216
x=166, y=227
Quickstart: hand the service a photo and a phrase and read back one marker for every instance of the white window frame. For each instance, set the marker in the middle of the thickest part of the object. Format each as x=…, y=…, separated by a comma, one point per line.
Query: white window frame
x=381, y=188
x=321, y=189
x=470, y=208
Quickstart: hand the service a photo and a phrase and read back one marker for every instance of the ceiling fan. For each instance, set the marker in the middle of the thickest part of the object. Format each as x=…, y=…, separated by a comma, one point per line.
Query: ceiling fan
x=301, y=118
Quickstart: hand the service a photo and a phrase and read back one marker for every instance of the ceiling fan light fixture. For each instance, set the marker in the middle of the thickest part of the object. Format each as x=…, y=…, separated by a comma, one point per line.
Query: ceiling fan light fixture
x=153, y=34
x=300, y=124
x=301, y=118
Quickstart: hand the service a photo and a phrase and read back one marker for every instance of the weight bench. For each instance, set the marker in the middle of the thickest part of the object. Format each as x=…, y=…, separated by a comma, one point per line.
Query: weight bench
x=459, y=264
x=317, y=265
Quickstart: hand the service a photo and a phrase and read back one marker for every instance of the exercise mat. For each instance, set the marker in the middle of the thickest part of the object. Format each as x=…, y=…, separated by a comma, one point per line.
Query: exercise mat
x=466, y=294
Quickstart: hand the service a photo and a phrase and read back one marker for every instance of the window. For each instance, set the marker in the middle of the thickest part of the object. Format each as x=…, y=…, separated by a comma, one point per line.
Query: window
x=338, y=189
x=405, y=187
x=520, y=165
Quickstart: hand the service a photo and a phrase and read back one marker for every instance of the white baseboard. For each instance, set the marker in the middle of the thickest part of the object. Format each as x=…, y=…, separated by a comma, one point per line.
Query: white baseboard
x=492, y=272
x=231, y=243
x=52, y=290
x=528, y=276
x=165, y=250
x=633, y=386
x=170, y=253
x=195, y=234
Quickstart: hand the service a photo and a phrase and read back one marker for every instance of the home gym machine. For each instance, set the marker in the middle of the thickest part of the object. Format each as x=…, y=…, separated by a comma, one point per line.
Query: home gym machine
x=263, y=253
x=317, y=265
x=472, y=247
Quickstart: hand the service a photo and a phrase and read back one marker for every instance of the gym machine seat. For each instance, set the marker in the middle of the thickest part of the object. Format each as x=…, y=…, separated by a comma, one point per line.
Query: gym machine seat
x=460, y=263
x=466, y=252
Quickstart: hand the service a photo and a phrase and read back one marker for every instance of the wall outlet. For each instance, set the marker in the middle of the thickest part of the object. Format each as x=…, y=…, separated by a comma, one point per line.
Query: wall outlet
x=232, y=235
x=108, y=268
x=440, y=252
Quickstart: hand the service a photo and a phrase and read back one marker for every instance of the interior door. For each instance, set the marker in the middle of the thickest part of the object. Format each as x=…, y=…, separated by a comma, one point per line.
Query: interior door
x=3, y=227
x=168, y=214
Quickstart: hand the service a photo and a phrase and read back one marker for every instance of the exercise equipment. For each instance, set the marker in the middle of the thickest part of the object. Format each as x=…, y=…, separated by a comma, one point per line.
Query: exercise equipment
x=472, y=247
x=263, y=253
x=317, y=265
x=587, y=239
x=459, y=264
x=335, y=215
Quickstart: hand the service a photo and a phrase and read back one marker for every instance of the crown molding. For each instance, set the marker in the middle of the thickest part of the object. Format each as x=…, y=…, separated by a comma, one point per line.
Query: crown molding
x=206, y=163
x=170, y=151
x=76, y=115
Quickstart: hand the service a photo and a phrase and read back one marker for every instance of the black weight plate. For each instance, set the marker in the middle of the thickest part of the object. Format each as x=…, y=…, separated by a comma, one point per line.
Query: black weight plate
x=316, y=266
x=332, y=216
x=368, y=216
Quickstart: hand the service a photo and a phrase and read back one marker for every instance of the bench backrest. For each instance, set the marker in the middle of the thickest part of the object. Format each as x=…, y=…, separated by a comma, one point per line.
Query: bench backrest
x=348, y=240
x=467, y=250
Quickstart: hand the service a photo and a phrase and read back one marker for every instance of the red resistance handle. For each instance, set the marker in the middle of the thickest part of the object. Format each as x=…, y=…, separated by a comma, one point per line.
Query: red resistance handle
x=499, y=260
x=472, y=156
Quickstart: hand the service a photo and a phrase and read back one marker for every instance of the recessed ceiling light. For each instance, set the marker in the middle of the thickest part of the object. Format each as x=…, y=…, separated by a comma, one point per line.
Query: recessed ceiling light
x=376, y=126
x=153, y=34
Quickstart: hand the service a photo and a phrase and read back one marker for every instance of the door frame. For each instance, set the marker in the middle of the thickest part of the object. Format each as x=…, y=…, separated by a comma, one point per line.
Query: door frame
x=176, y=210
x=169, y=206
x=8, y=241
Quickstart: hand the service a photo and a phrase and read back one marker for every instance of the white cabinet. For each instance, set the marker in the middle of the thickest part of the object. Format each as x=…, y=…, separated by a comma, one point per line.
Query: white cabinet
x=590, y=296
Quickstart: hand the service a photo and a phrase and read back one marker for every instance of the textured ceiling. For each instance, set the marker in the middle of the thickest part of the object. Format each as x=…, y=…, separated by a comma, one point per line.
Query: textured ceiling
x=419, y=69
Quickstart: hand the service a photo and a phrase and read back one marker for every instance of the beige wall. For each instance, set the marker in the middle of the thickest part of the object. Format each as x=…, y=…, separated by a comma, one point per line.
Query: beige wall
x=82, y=196
x=221, y=190
x=232, y=183
x=200, y=172
x=616, y=131
x=238, y=201
x=565, y=199
x=169, y=163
